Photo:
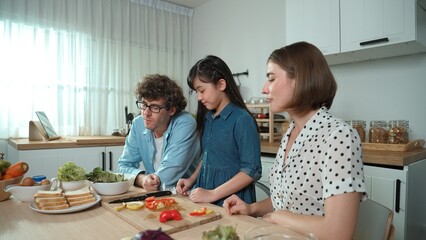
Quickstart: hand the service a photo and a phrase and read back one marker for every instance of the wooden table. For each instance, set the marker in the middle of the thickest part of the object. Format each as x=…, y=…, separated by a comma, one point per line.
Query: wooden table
x=18, y=221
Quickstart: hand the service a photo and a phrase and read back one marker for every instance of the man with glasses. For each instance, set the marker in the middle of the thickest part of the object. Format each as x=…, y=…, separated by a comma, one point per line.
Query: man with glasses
x=163, y=137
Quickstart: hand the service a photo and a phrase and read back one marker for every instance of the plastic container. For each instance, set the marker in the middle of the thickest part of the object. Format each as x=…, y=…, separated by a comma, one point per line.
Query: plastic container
x=399, y=132
x=359, y=126
x=378, y=132
x=38, y=178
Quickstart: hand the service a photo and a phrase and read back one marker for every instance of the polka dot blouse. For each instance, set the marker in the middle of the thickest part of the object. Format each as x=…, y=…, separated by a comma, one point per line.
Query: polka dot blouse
x=325, y=160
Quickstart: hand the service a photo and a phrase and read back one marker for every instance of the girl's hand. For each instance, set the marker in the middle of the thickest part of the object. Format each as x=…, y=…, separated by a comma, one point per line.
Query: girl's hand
x=202, y=195
x=234, y=205
x=183, y=186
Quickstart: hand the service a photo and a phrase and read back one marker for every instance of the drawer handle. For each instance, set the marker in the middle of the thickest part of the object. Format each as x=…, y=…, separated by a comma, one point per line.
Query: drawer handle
x=375, y=41
x=103, y=161
x=110, y=160
x=398, y=193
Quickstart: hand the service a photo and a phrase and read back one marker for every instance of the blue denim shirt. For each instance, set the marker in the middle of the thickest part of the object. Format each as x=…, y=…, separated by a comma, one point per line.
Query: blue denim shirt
x=231, y=145
x=181, y=150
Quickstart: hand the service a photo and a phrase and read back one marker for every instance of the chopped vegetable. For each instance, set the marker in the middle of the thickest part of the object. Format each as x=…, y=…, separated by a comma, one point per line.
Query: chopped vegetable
x=100, y=176
x=167, y=215
x=119, y=208
x=153, y=203
x=201, y=212
x=17, y=169
x=221, y=233
x=134, y=205
x=71, y=172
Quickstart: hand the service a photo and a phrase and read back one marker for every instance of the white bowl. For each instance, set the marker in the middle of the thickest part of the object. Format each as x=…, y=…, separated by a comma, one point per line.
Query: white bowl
x=25, y=193
x=274, y=231
x=114, y=188
x=73, y=185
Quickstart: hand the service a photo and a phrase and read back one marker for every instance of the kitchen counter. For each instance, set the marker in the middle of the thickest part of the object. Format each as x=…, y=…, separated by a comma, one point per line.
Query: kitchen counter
x=67, y=142
x=18, y=221
x=375, y=157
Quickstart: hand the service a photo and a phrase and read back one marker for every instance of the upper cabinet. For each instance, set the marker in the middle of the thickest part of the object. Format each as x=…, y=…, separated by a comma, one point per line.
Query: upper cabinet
x=366, y=29
x=314, y=21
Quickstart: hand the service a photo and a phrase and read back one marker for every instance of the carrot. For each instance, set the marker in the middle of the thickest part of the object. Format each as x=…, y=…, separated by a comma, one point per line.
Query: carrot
x=17, y=169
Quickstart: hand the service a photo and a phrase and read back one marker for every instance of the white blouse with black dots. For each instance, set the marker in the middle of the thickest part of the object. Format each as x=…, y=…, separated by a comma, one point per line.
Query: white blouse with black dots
x=325, y=160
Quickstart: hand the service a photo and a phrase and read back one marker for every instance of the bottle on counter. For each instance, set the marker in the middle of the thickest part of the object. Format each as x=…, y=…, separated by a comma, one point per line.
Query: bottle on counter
x=399, y=132
x=359, y=126
x=378, y=132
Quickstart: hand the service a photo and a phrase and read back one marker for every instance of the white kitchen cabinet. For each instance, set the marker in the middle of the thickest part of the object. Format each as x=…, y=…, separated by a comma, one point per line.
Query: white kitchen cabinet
x=314, y=21
x=402, y=191
x=47, y=161
x=267, y=163
x=364, y=29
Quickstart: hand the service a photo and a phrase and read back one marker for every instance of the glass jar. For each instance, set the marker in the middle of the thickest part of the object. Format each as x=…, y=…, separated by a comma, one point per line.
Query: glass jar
x=359, y=126
x=398, y=132
x=378, y=132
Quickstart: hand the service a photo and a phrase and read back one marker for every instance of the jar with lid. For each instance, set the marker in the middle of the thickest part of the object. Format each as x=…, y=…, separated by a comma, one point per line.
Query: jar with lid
x=399, y=132
x=359, y=126
x=378, y=132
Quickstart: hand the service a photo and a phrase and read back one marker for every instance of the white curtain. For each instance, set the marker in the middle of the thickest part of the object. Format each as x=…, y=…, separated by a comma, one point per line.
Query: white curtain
x=79, y=60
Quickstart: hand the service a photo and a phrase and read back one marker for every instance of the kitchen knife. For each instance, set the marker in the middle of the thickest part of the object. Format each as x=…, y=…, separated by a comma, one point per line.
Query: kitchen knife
x=143, y=197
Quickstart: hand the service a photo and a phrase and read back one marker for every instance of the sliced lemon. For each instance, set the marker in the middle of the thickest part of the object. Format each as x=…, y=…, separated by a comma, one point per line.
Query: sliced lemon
x=134, y=205
x=119, y=208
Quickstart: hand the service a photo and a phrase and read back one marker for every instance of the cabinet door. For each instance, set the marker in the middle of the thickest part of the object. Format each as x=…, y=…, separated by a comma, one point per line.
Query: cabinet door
x=314, y=21
x=372, y=23
x=47, y=161
x=388, y=187
x=113, y=153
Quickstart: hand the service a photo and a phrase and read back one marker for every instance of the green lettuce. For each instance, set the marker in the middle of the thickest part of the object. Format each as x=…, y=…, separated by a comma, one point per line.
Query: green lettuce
x=71, y=172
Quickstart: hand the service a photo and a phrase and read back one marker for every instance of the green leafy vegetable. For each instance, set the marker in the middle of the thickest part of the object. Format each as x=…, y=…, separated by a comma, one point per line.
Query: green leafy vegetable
x=221, y=233
x=100, y=176
x=71, y=172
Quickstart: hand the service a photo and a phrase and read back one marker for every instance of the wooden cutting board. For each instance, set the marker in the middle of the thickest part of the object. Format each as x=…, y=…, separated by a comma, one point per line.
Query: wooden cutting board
x=145, y=219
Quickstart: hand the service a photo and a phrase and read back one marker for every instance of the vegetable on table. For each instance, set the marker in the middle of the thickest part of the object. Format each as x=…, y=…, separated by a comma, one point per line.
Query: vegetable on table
x=221, y=232
x=201, y=212
x=167, y=215
x=18, y=169
x=100, y=176
x=153, y=203
x=3, y=166
x=71, y=172
x=152, y=234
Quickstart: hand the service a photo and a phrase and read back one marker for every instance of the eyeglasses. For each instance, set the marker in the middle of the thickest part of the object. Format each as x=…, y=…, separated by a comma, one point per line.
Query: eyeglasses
x=152, y=108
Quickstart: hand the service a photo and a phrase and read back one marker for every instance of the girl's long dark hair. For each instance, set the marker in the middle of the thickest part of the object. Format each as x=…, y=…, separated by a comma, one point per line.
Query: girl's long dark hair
x=210, y=70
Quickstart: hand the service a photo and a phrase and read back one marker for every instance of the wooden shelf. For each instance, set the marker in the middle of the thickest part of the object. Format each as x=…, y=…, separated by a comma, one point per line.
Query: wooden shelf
x=267, y=122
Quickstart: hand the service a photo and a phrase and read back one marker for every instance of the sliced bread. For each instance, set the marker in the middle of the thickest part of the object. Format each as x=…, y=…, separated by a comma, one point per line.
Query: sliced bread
x=56, y=207
x=47, y=193
x=85, y=191
x=81, y=202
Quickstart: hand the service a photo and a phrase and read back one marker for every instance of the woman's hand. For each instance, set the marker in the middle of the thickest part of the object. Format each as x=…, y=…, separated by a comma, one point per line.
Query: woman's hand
x=234, y=205
x=183, y=186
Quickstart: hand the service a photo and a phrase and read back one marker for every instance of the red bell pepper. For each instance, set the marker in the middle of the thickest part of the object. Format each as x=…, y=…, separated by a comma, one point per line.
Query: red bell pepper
x=198, y=212
x=167, y=215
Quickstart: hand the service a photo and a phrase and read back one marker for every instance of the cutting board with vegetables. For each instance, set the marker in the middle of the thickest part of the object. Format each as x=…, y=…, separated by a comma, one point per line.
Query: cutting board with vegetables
x=145, y=219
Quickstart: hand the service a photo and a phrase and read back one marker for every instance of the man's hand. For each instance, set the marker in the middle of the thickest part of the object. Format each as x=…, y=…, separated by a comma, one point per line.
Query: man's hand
x=150, y=182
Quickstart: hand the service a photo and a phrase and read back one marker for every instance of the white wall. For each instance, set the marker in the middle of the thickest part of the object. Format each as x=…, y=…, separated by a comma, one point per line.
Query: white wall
x=245, y=32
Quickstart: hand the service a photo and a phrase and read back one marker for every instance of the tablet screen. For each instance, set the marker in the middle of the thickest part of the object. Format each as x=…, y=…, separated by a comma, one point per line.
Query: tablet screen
x=46, y=124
